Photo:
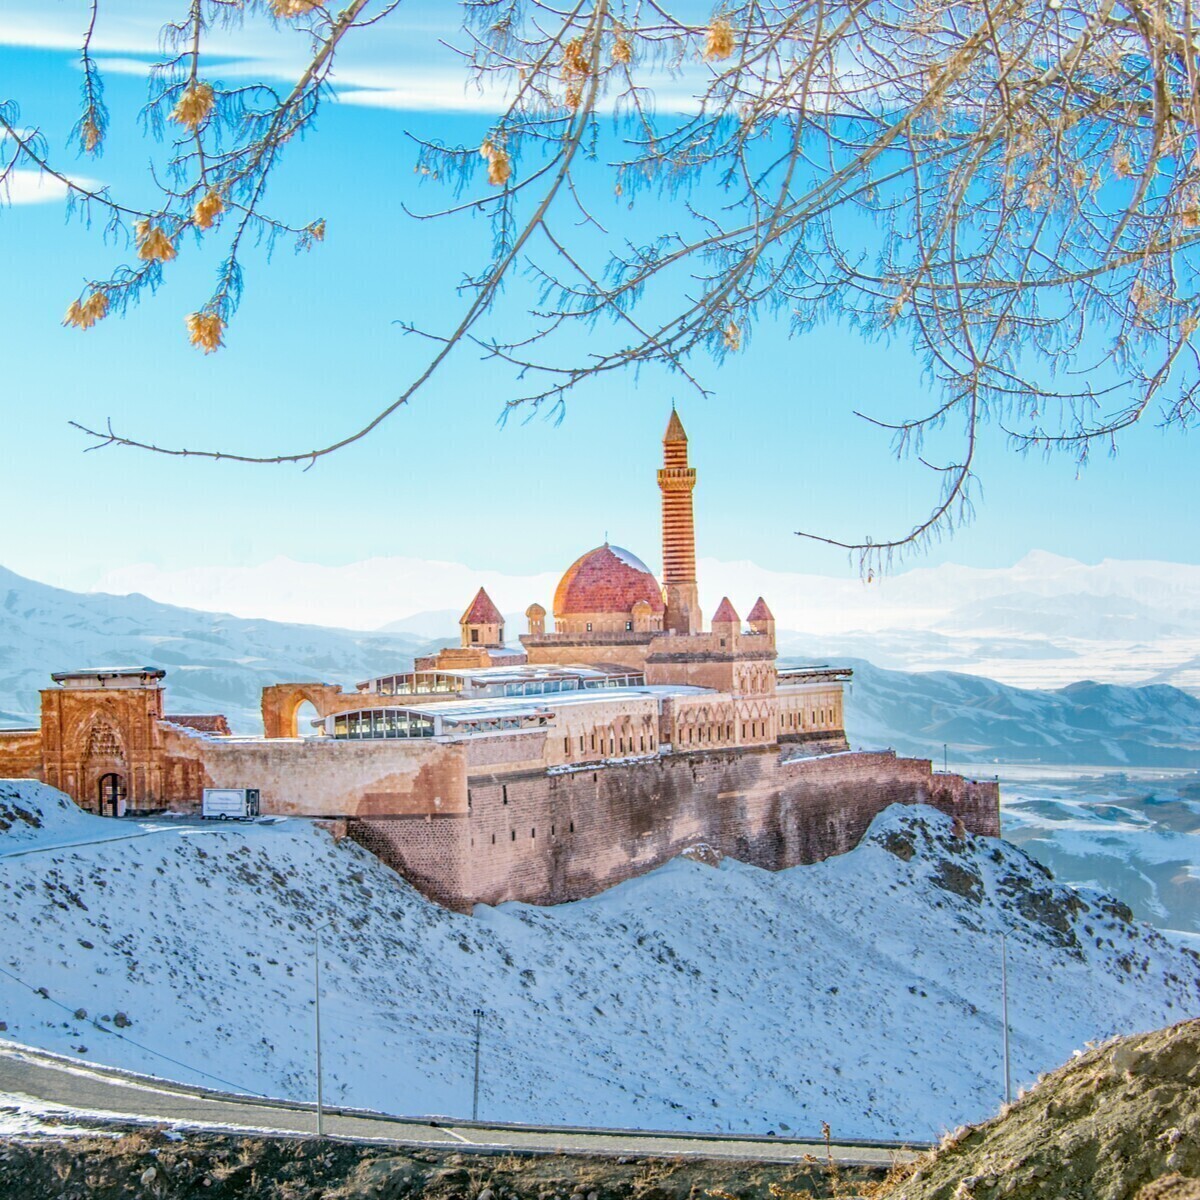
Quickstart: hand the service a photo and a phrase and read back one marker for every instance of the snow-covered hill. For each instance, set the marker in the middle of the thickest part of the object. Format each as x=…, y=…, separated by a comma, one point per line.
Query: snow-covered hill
x=863, y=991
x=982, y=721
x=216, y=663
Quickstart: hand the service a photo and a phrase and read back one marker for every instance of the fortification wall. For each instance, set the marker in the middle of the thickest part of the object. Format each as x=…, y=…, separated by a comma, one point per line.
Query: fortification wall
x=431, y=852
x=550, y=837
x=20, y=754
x=323, y=777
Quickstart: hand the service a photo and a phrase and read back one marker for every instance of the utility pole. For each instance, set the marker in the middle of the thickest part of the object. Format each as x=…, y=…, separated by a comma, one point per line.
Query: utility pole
x=478, y=1039
x=317, y=1001
x=1004, y=1007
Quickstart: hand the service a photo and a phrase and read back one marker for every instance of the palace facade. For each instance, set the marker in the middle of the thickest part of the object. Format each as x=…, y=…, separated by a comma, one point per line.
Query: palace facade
x=599, y=747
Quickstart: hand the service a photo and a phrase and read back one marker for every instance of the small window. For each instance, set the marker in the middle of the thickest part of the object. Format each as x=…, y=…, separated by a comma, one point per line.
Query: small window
x=628, y=626
x=474, y=635
x=493, y=839
x=514, y=835
x=468, y=797
x=533, y=833
x=589, y=627
x=572, y=826
x=504, y=792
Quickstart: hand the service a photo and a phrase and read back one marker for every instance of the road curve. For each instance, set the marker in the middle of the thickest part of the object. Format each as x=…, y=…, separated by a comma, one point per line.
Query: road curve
x=105, y=1094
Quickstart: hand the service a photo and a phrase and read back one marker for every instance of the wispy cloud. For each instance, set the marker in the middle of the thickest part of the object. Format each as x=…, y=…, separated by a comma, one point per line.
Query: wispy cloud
x=403, y=64
x=36, y=187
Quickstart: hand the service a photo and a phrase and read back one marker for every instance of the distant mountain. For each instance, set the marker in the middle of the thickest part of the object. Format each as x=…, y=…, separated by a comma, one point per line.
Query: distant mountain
x=215, y=662
x=1133, y=834
x=431, y=624
x=1042, y=622
x=982, y=721
x=1079, y=615
x=441, y=624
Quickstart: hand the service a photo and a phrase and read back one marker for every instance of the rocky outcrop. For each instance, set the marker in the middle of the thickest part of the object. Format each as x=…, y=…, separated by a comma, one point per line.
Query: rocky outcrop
x=1120, y=1122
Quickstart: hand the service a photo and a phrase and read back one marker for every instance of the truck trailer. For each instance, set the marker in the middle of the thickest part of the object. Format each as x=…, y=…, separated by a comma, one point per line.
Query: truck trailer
x=229, y=804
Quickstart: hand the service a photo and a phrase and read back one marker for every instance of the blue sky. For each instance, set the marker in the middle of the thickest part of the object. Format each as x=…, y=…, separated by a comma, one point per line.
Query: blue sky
x=314, y=349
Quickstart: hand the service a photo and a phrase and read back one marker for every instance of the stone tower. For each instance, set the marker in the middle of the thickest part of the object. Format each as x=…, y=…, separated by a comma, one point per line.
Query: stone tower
x=482, y=625
x=676, y=481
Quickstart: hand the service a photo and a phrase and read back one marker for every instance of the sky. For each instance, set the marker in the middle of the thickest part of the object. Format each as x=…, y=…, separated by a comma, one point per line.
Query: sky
x=316, y=348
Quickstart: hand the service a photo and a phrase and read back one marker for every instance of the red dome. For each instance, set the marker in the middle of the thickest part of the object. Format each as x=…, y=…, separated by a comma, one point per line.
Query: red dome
x=606, y=580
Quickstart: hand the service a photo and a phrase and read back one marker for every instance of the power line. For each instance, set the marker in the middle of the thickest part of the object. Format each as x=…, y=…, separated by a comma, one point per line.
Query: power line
x=237, y=1087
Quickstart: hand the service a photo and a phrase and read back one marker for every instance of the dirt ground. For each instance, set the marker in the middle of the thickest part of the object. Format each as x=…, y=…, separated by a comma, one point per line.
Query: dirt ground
x=1121, y=1122
x=151, y=1164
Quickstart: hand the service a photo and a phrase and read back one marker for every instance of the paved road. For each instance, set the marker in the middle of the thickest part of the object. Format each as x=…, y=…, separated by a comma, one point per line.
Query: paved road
x=107, y=1093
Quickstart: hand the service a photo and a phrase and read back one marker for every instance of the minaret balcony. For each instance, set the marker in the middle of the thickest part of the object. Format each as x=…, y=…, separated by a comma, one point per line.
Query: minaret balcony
x=677, y=478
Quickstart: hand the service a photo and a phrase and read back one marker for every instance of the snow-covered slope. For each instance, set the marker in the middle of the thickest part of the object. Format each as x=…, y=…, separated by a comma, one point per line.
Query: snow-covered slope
x=983, y=721
x=216, y=663
x=863, y=991
x=1135, y=836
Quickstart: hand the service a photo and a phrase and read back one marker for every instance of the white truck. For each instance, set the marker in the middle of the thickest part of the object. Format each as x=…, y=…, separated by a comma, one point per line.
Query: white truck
x=229, y=804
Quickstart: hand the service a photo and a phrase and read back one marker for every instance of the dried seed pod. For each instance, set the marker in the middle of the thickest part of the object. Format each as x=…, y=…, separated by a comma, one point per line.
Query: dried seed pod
x=204, y=330
x=155, y=245
x=718, y=42
x=193, y=106
x=208, y=210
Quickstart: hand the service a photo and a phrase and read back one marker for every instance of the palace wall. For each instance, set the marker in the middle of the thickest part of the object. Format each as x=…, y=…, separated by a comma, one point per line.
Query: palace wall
x=610, y=649
x=482, y=819
x=20, y=754
x=549, y=837
x=324, y=777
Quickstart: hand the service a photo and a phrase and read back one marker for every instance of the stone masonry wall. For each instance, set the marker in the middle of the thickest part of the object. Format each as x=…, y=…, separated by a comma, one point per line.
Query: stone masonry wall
x=20, y=754
x=324, y=777
x=549, y=837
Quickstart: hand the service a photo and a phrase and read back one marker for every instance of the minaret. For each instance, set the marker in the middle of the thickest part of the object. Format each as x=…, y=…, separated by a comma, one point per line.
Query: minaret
x=676, y=481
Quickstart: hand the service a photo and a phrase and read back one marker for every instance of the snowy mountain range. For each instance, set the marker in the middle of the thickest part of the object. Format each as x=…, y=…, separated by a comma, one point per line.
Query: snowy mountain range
x=1045, y=621
x=217, y=662
x=979, y=720
x=863, y=990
